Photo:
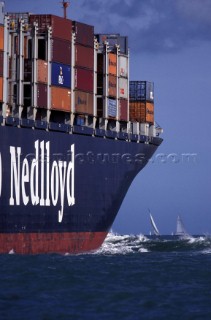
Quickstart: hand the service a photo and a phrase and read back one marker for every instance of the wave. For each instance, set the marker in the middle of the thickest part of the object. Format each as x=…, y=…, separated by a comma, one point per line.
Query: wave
x=124, y=244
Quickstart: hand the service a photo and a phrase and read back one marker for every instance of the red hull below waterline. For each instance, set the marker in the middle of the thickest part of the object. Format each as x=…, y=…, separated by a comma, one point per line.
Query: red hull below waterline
x=62, y=243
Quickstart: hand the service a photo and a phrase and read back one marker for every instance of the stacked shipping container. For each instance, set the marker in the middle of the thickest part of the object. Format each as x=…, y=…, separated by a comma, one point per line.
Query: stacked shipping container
x=84, y=68
x=20, y=64
x=142, y=102
x=123, y=87
x=60, y=56
x=113, y=40
x=112, y=85
x=100, y=83
x=1, y=60
x=57, y=64
x=52, y=85
x=114, y=56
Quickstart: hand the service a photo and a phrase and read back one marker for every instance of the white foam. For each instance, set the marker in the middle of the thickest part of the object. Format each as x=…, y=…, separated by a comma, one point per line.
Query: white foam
x=142, y=238
x=122, y=244
x=143, y=250
x=206, y=251
x=195, y=240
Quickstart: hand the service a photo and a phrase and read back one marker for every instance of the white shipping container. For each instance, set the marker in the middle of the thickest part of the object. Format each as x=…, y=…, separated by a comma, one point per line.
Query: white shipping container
x=123, y=66
x=135, y=127
x=152, y=131
x=144, y=129
x=123, y=88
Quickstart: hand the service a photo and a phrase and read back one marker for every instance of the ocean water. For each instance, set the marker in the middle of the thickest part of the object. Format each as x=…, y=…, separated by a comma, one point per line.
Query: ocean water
x=129, y=277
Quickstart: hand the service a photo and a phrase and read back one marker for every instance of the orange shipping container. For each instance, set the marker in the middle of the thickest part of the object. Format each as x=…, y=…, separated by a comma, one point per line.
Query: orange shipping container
x=84, y=102
x=60, y=99
x=112, y=86
x=142, y=111
x=135, y=111
x=112, y=63
x=149, y=112
x=1, y=38
x=1, y=89
x=42, y=71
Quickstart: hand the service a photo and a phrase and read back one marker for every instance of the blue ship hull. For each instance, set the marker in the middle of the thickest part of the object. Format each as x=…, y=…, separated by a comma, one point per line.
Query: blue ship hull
x=61, y=192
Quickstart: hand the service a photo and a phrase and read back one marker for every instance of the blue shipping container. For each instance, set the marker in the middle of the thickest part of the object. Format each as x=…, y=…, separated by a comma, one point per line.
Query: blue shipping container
x=141, y=91
x=61, y=75
x=112, y=108
x=113, y=40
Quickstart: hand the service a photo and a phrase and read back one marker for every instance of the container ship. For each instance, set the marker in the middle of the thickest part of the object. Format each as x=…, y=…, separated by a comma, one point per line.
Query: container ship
x=74, y=130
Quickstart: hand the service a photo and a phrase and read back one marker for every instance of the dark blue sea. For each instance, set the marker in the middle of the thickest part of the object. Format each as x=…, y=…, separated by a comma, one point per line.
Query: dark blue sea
x=130, y=277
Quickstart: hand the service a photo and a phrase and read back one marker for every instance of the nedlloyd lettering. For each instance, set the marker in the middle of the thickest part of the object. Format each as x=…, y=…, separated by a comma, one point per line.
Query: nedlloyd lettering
x=39, y=181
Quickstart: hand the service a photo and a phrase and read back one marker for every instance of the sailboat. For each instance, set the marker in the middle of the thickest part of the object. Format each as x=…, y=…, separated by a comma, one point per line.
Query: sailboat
x=154, y=227
x=180, y=229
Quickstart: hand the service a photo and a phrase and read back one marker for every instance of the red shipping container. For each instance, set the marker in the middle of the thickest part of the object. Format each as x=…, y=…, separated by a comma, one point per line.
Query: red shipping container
x=61, y=51
x=84, y=80
x=61, y=28
x=123, y=109
x=112, y=86
x=84, y=33
x=60, y=99
x=42, y=95
x=1, y=89
x=84, y=57
x=84, y=102
x=1, y=63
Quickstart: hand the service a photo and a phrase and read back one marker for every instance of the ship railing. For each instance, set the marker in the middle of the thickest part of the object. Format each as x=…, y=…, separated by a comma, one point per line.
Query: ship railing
x=148, y=135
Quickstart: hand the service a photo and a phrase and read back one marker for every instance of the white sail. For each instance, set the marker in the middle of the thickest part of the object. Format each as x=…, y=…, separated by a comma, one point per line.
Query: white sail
x=155, y=229
x=180, y=229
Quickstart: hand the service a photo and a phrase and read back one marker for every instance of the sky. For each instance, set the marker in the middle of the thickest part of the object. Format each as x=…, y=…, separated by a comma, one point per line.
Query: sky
x=170, y=44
